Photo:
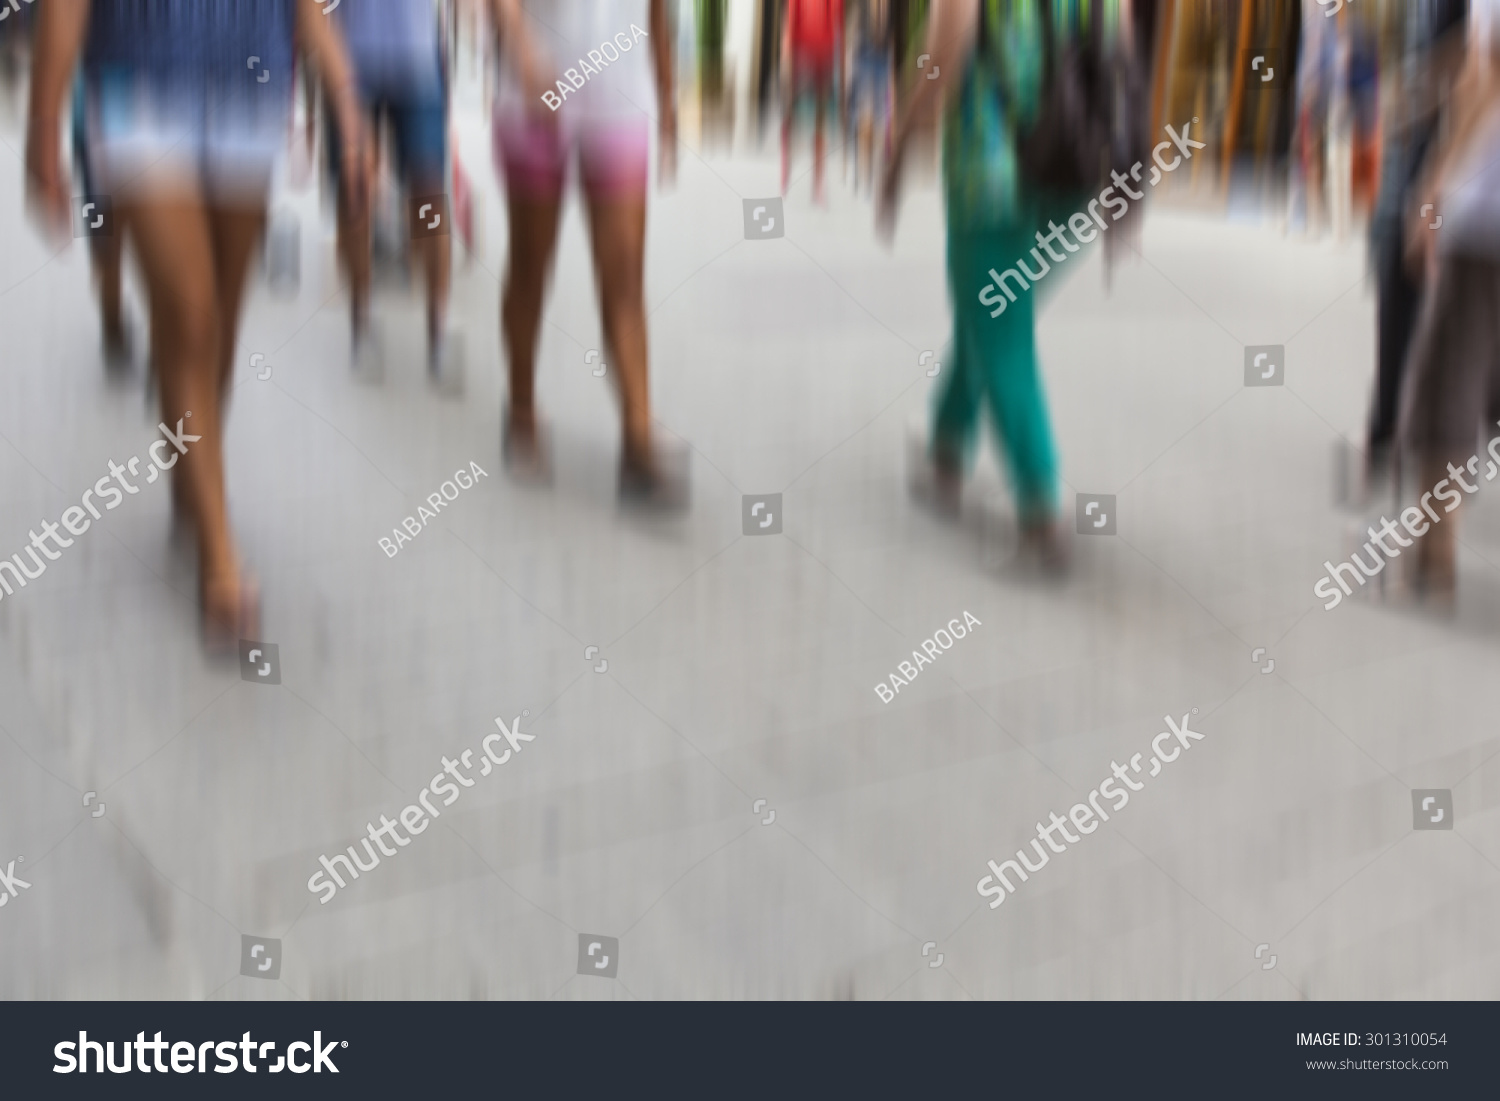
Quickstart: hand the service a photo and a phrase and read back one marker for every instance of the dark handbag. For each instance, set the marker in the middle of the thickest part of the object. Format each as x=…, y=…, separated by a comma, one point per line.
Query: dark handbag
x=1067, y=145
x=1090, y=112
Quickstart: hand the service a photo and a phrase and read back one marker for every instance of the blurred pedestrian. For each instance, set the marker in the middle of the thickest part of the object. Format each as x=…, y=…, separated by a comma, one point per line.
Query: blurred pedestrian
x=601, y=117
x=999, y=203
x=1452, y=377
x=869, y=106
x=812, y=41
x=106, y=257
x=1434, y=48
x=186, y=105
x=397, y=50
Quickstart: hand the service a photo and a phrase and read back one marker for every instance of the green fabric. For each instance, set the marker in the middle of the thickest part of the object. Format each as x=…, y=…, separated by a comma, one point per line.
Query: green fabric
x=997, y=99
x=993, y=218
x=999, y=93
x=993, y=360
x=711, y=18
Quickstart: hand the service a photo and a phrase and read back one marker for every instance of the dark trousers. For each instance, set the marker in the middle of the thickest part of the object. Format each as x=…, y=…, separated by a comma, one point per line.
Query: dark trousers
x=1398, y=294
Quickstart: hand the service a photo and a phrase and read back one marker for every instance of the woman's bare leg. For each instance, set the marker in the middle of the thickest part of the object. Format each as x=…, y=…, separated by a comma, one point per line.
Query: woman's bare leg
x=236, y=236
x=107, y=256
x=618, y=229
x=354, y=247
x=174, y=242
x=533, y=242
x=436, y=254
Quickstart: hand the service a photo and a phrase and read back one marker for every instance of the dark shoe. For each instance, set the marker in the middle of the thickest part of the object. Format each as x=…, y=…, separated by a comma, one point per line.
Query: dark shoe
x=119, y=349
x=1042, y=545
x=660, y=483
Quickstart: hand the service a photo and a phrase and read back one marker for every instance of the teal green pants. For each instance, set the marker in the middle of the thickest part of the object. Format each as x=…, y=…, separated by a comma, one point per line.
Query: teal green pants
x=993, y=360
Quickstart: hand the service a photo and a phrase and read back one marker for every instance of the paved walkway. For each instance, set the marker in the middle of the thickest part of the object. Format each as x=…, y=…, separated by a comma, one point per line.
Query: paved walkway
x=735, y=672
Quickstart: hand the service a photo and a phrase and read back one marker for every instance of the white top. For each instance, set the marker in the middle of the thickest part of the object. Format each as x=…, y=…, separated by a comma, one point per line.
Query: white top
x=1484, y=21
x=563, y=32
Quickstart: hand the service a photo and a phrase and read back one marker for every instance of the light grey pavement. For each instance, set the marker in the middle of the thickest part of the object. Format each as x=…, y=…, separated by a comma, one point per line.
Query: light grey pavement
x=741, y=668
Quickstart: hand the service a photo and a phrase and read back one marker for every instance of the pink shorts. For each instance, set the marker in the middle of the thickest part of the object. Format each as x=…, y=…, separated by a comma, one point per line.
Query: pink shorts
x=532, y=155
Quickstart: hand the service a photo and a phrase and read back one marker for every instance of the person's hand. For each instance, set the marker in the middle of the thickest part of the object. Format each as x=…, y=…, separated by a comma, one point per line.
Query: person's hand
x=48, y=188
x=538, y=76
x=1420, y=246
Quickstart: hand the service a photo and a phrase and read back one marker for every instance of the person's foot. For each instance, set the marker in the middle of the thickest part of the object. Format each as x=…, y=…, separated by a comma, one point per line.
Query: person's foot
x=523, y=448
x=1042, y=544
x=935, y=478
x=1431, y=577
x=182, y=504
x=230, y=607
x=119, y=347
x=367, y=354
x=1379, y=468
x=445, y=362
x=655, y=479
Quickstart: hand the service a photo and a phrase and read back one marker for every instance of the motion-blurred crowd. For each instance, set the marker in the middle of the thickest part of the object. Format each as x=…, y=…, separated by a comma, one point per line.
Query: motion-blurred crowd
x=1346, y=110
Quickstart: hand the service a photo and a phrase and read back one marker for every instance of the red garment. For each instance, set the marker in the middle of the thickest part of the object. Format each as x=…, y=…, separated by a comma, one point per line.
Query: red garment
x=814, y=27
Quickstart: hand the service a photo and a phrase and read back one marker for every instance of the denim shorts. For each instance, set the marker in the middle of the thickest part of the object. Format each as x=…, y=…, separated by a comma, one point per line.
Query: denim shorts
x=418, y=113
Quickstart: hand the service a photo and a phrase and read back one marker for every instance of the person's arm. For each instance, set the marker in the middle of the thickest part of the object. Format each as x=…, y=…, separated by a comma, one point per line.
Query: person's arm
x=324, y=48
x=666, y=90
x=952, y=28
x=1476, y=96
x=517, y=48
x=60, y=30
